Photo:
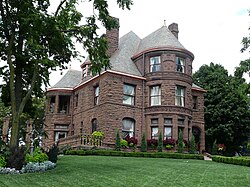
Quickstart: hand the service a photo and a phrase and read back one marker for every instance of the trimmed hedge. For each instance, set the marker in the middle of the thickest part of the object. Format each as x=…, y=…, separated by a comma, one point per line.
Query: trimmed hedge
x=134, y=154
x=243, y=161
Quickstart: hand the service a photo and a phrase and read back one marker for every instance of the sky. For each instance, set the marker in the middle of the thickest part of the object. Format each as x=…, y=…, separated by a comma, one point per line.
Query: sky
x=212, y=30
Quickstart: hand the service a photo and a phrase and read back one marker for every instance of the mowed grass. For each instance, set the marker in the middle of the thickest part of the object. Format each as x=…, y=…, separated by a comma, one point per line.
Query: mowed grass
x=105, y=171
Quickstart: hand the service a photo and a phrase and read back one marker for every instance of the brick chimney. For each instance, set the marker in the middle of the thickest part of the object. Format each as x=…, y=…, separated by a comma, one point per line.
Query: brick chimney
x=113, y=39
x=174, y=29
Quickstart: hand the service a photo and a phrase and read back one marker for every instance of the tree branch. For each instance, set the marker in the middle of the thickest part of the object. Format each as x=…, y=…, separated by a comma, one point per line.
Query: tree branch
x=32, y=85
x=59, y=7
x=12, y=73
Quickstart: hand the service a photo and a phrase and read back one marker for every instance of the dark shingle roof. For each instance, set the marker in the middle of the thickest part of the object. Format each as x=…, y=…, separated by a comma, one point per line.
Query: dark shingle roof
x=162, y=37
x=129, y=45
x=69, y=80
x=121, y=59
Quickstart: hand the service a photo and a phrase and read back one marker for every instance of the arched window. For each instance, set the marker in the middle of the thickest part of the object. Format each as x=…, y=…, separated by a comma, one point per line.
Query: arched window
x=128, y=126
x=94, y=125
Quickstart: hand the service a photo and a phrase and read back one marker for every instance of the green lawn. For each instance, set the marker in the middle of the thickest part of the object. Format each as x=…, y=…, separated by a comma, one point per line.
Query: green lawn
x=127, y=171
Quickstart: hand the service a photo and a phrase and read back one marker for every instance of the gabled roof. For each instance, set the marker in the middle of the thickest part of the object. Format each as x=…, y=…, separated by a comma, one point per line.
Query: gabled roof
x=69, y=80
x=162, y=37
x=121, y=60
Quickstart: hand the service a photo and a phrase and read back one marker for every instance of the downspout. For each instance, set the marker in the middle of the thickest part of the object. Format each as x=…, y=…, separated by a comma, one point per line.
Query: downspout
x=143, y=107
x=72, y=109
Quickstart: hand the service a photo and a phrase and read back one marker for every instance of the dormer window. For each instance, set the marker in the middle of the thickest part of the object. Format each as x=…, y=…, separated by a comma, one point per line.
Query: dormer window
x=86, y=70
x=180, y=65
x=155, y=64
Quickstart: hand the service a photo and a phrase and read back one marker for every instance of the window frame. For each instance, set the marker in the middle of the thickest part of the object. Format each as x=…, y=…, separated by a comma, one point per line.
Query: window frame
x=96, y=95
x=156, y=65
x=180, y=64
x=132, y=96
x=171, y=131
x=180, y=99
x=154, y=136
x=157, y=95
x=129, y=132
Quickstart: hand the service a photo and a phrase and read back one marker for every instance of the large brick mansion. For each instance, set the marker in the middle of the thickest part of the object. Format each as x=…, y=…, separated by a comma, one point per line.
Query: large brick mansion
x=148, y=89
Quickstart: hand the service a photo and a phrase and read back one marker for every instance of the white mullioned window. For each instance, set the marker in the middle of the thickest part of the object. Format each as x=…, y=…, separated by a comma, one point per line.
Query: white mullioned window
x=167, y=132
x=128, y=126
x=155, y=64
x=96, y=98
x=128, y=94
x=154, y=133
x=180, y=65
x=155, y=95
x=180, y=96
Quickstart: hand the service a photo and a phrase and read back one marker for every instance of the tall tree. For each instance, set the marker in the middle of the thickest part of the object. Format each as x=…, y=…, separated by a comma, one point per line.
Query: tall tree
x=33, y=41
x=227, y=114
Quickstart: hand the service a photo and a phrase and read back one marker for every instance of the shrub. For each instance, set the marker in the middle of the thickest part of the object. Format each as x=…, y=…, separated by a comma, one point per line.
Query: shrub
x=16, y=158
x=248, y=145
x=244, y=161
x=117, y=141
x=181, y=144
x=159, y=147
x=124, y=144
x=192, y=149
x=143, y=143
x=152, y=143
x=98, y=134
x=38, y=156
x=170, y=141
x=2, y=161
x=134, y=154
x=169, y=146
x=38, y=167
x=131, y=140
x=52, y=153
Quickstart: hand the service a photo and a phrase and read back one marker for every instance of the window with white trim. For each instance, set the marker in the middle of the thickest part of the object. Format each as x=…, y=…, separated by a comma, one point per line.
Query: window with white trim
x=128, y=94
x=155, y=95
x=180, y=96
x=180, y=65
x=128, y=126
x=96, y=97
x=155, y=64
x=167, y=132
x=154, y=132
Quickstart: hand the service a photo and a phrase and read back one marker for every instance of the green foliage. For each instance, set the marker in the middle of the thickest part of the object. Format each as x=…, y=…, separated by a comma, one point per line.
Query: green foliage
x=98, y=134
x=53, y=153
x=181, y=144
x=38, y=156
x=192, y=149
x=124, y=144
x=143, y=143
x=169, y=146
x=38, y=167
x=36, y=39
x=226, y=103
x=159, y=147
x=117, y=141
x=134, y=154
x=2, y=161
x=244, y=161
x=248, y=145
x=16, y=159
